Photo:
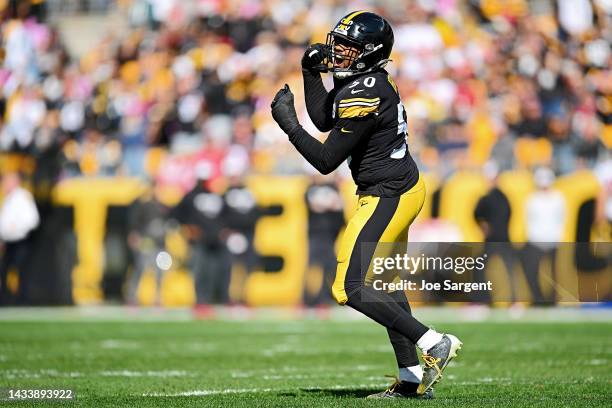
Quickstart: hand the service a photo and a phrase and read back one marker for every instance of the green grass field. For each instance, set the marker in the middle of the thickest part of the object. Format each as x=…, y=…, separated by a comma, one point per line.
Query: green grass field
x=135, y=362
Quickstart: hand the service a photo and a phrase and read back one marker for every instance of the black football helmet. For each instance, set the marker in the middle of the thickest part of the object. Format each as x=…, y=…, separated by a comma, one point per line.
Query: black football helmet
x=369, y=34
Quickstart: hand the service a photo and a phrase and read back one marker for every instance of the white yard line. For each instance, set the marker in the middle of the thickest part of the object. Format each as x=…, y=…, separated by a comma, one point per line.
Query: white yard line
x=17, y=373
x=12, y=374
x=162, y=374
x=205, y=392
x=201, y=393
x=119, y=344
x=269, y=315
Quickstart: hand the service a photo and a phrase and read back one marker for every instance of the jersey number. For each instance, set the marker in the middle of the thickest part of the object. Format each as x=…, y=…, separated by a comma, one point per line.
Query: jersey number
x=400, y=152
x=401, y=119
x=369, y=82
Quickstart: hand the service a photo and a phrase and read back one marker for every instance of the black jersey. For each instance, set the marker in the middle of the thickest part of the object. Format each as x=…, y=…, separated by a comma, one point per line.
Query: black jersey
x=380, y=164
x=368, y=129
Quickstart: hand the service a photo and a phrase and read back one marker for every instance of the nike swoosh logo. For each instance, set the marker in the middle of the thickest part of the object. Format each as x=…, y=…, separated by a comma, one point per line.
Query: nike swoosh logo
x=345, y=131
x=354, y=91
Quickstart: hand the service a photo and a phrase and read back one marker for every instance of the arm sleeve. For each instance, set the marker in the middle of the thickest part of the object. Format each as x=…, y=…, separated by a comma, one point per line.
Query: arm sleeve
x=326, y=157
x=319, y=102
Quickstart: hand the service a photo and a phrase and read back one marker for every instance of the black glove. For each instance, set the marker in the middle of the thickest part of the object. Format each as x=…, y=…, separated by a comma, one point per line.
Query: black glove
x=283, y=110
x=314, y=56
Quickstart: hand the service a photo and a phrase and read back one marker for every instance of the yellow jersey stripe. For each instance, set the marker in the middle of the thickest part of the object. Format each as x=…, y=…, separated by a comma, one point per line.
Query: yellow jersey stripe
x=368, y=100
x=356, y=111
x=346, y=105
x=392, y=82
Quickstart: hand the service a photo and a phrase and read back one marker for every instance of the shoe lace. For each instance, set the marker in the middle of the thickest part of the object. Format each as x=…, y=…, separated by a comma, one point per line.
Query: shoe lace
x=432, y=362
x=396, y=383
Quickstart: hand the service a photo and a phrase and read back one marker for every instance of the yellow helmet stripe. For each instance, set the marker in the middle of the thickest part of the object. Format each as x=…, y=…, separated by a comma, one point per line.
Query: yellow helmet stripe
x=351, y=16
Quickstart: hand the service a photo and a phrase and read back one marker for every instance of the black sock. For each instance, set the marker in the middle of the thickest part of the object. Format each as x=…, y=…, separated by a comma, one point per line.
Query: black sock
x=381, y=307
x=409, y=387
x=405, y=350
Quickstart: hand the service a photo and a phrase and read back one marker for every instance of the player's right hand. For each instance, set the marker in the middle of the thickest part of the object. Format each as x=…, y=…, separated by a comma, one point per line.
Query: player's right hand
x=314, y=57
x=283, y=110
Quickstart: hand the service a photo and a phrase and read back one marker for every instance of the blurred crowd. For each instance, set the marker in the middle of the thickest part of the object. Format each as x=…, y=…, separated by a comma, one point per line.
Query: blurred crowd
x=516, y=83
x=523, y=83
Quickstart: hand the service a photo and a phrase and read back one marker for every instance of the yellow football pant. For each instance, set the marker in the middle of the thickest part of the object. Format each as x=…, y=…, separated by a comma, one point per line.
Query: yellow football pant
x=377, y=220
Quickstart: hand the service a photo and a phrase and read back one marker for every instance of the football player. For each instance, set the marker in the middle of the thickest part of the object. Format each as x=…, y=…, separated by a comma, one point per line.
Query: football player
x=367, y=125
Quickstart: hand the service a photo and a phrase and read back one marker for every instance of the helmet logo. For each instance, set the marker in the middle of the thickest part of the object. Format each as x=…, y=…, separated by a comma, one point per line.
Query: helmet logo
x=343, y=26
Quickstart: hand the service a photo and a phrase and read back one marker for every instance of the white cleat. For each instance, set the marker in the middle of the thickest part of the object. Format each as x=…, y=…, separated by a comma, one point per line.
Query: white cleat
x=436, y=359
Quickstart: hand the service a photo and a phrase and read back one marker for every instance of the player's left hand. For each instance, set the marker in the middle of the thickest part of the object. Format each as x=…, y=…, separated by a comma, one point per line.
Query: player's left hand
x=283, y=110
